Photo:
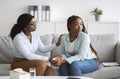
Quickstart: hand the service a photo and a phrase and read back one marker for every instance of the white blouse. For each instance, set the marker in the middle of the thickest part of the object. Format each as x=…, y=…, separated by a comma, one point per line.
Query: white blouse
x=72, y=48
x=26, y=49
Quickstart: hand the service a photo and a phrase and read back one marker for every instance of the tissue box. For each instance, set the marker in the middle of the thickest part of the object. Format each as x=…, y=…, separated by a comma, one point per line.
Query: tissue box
x=19, y=75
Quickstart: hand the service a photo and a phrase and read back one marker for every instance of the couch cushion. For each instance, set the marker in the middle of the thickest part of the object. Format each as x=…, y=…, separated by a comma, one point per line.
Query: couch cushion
x=107, y=73
x=4, y=69
x=6, y=49
x=105, y=46
x=118, y=52
x=57, y=50
x=46, y=40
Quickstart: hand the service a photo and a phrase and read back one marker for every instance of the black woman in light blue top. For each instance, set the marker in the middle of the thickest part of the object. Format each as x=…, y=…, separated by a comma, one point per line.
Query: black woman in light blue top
x=78, y=56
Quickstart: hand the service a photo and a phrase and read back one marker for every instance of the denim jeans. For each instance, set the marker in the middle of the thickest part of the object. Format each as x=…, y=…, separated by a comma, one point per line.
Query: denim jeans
x=77, y=68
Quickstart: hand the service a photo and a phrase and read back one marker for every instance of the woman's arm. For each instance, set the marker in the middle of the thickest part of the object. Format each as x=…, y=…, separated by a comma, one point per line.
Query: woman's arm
x=23, y=49
x=47, y=48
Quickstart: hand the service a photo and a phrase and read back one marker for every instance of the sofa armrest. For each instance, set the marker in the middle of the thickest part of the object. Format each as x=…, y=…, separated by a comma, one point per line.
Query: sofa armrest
x=118, y=52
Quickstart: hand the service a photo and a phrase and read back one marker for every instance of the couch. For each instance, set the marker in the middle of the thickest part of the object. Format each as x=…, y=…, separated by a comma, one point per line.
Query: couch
x=107, y=46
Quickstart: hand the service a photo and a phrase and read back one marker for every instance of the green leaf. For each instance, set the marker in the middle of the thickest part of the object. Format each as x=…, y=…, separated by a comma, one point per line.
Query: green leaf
x=97, y=11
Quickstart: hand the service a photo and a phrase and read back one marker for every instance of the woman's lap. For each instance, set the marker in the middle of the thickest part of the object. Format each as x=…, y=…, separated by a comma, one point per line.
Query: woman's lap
x=40, y=65
x=78, y=68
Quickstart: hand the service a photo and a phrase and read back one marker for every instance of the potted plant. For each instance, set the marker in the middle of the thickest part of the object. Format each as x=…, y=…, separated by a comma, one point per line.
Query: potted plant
x=97, y=12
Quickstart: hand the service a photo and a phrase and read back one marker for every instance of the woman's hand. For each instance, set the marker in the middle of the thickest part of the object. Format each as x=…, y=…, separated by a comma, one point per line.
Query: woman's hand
x=59, y=40
x=60, y=62
x=57, y=61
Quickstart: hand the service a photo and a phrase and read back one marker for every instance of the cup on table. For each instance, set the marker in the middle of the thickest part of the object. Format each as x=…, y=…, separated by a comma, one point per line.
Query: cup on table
x=32, y=71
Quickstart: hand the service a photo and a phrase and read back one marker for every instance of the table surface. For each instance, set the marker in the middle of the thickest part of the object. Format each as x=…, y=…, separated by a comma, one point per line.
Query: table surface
x=50, y=77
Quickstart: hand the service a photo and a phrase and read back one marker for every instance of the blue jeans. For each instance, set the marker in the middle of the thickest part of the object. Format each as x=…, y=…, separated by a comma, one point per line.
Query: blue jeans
x=77, y=68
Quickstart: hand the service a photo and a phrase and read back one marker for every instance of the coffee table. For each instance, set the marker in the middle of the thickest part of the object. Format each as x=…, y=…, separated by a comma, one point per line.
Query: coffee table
x=50, y=77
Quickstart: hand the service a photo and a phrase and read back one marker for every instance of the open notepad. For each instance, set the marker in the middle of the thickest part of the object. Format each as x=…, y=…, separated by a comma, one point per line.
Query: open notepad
x=108, y=64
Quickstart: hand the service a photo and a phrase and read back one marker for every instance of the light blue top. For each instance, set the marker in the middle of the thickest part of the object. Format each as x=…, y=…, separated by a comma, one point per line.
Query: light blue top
x=26, y=49
x=82, y=48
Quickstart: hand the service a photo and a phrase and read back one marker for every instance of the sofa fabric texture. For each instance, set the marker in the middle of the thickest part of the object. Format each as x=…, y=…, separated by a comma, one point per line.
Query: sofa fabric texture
x=106, y=45
x=6, y=50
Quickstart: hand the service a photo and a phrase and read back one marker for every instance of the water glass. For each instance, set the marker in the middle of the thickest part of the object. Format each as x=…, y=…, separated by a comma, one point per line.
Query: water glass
x=32, y=71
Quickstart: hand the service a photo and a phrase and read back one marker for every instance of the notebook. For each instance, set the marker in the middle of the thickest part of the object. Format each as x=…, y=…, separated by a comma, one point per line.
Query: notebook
x=73, y=78
x=108, y=64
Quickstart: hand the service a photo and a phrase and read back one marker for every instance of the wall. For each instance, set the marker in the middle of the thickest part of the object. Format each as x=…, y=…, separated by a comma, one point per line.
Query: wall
x=83, y=8
x=11, y=9
x=92, y=28
x=51, y=27
x=60, y=10
x=104, y=28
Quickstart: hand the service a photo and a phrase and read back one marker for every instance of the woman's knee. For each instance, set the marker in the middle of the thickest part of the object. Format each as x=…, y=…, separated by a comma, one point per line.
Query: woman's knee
x=74, y=64
x=40, y=66
x=41, y=63
x=74, y=69
x=49, y=71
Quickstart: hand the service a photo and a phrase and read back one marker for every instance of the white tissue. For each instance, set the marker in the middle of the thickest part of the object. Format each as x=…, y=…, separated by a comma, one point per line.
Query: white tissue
x=19, y=73
x=19, y=70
